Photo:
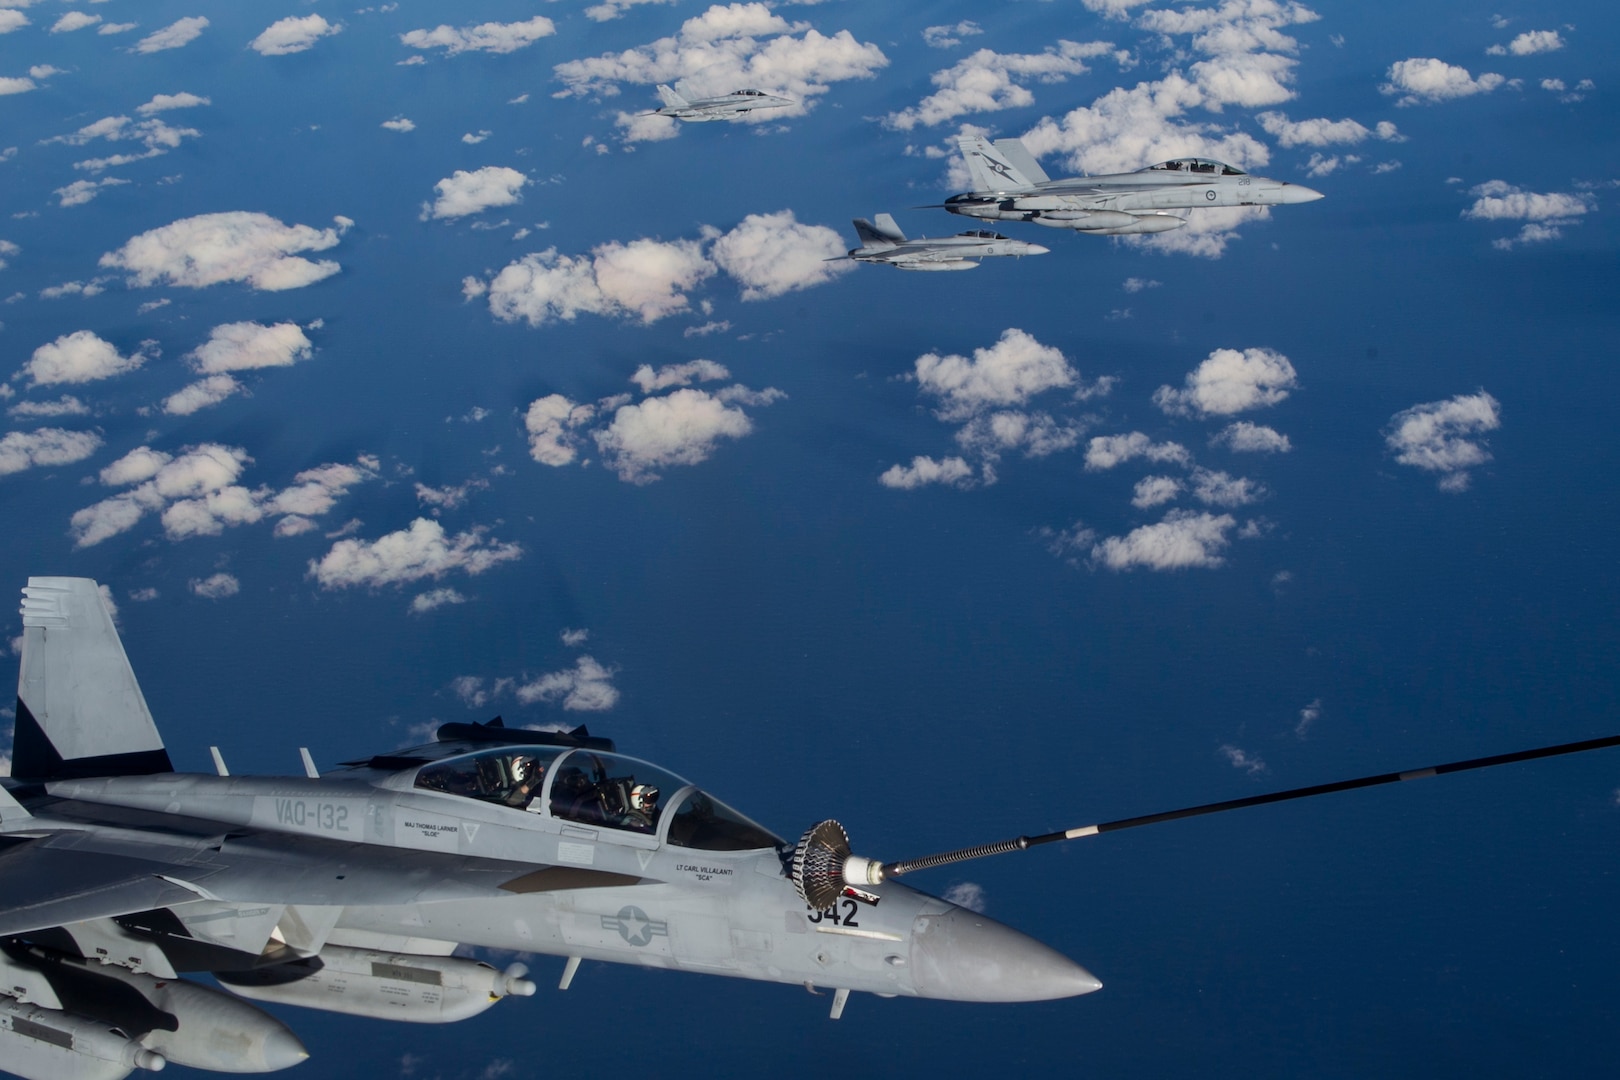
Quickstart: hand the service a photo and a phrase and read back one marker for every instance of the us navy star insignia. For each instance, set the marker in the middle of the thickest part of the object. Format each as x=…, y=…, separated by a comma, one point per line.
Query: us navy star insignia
x=634, y=926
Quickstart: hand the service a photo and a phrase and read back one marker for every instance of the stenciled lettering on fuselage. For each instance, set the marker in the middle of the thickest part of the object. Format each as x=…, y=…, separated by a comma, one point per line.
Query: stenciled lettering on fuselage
x=305, y=814
x=703, y=873
x=849, y=910
x=634, y=926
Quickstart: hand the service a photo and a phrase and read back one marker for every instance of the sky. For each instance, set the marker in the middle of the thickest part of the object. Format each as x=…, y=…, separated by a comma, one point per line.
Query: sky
x=390, y=367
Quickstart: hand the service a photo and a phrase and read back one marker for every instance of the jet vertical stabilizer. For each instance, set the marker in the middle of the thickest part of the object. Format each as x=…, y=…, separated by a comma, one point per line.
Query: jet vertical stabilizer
x=1019, y=157
x=990, y=168
x=671, y=99
x=880, y=232
x=80, y=711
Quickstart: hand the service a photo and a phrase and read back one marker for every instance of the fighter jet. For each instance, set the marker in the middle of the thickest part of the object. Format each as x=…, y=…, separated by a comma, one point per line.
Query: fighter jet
x=1010, y=186
x=349, y=890
x=726, y=107
x=883, y=242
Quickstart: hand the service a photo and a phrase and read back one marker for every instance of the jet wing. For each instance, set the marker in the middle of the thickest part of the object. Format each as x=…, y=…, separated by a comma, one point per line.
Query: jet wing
x=1081, y=187
x=73, y=876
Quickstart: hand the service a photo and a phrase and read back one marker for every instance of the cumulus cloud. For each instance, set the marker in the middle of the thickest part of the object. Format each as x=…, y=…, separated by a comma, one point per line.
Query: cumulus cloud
x=1136, y=284
x=951, y=471
x=422, y=603
x=1318, y=132
x=679, y=428
x=644, y=278
x=10, y=84
x=464, y=193
x=946, y=37
x=486, y=37
x=685, y=374
x=200, y=395
x=292, y=35
x=1222, y=489
x=421, y=550
x=1229, y=382
x=82, y=191
x=210, y=249
x=155, y=137
x=552, y=423
x=1242, y=759
x=1425, y=80
x=400, y=124
x=1545, y=215
x=74, y=20
x=773, y=254
x=196, y=493
x=1442, y=436
x=79, y=357
x=612, y=9
x=1107, y=451
x=66, y=405
x=217, y=587
x=1308, y=716
x=988, y=81
x=12, y=19
x=732, y=46
x=1037, y=434
x=1184, y=539
x=21, y=450
x=585, y=687
x=166, y=102
x=177, y=34
x=966, y=894
x=573, y=637
x=1154, y=491
x=1526, y=44
x=246, y=346
x=1248, y=438
x=1010, y=372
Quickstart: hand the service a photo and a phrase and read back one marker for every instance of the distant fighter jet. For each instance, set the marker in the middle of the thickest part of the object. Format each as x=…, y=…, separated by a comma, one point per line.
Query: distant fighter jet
x=883, y=242
x=1010, y=186
x=727, y=107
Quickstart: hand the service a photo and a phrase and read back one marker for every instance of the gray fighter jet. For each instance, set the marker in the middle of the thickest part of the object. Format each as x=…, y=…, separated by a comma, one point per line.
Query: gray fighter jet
x=883, y=242
x=725, y=107
x=349, y=891
x=1010, y=186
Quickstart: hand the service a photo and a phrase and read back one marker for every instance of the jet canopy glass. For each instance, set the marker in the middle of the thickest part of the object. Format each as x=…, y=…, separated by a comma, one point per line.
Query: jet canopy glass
x=1196, y=165
x=984, y=234
x=597, y=789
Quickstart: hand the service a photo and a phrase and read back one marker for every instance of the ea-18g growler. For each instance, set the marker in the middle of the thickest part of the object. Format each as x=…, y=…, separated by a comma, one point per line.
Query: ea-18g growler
x=350, y=890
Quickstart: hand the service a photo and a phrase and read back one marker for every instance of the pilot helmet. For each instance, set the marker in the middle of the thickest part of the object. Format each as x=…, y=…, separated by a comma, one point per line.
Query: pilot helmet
x=644, y=797
x=525, y=767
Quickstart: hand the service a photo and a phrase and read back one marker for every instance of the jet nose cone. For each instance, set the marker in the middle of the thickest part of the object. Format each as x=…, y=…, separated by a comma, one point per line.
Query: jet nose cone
x=1036, y=249
x=1299, y=193
x=962, y=956
x=282, y=1050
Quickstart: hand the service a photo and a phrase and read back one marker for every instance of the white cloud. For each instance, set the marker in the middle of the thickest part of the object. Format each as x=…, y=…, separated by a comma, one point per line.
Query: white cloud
x=1308, y=716
x=1318, y=132
x=473, y=140
x=166, y=102
x=988, y=81
x=945, y=37
x=448, y=497
x=400, y=124
x=1222, y=489
x=1241, y=759
x=217, y=587
x=551, y=423
x=644, y=278
x=1151, y=491
x=1136, y=284
x=951, y=471
x=74, y=20
x=685, y=374
x=201, y=394
x=79, y=357
x=1320, y=165
x=1546, y=216
x=1010, y=372
x=435, y=598
x=464, y=193
x=732, y=46
x=82, y=191
x=1427, y=80
x=292, y=35
x=1037, y=434
x=177, y=34
x=8, y=250
x=966, y=894
x=772, y=254
x=612, y=9
x=15, y=85
x=421, y=550
x=645, y=127
x=1229, y=382
x=116, y=28
x=573, y=638
x=680, y=428
x=1441, y=436
x=246, y=346
x=1182, y=540
x=12, y=19
x=1107, y=451
x=66, y=405
x=197, y=494
x=21, y=450
x=486, y=37
x=586, y=687
x=1529, y=43
x=1245, y=437
x=156, y=138
x=210, y=249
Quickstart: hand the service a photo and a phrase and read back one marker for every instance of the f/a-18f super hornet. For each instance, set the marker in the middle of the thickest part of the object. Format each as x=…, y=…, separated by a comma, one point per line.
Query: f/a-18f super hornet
x=349, y=891
x=883, y=242
x=725, y=107
x=1010, y=186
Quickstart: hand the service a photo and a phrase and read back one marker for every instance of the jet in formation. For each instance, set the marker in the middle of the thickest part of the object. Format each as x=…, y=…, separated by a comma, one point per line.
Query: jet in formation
x=725, y=107
x=883, y=242
x=1010, y=186
x=350, y=890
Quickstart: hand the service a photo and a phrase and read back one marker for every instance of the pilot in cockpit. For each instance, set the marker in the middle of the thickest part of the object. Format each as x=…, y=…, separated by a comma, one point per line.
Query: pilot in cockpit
x=643, y=809
x=527, y=776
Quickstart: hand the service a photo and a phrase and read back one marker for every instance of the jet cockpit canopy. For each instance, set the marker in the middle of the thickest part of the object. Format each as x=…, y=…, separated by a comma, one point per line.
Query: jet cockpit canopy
x=983, y=234
x=598, y=789
x=1196, y=165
